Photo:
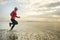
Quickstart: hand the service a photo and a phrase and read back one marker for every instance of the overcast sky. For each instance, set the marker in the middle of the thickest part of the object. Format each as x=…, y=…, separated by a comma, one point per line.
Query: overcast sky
x=31, y=8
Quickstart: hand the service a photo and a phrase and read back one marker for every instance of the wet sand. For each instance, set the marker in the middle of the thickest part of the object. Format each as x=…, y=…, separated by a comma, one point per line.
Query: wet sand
x=32, y=31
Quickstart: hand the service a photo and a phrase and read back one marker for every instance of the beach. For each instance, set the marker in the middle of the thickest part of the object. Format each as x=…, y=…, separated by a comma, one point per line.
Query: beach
x=30, y=30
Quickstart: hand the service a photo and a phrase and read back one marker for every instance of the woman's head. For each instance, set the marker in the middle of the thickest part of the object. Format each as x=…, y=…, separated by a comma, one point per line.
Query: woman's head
x=15, y=8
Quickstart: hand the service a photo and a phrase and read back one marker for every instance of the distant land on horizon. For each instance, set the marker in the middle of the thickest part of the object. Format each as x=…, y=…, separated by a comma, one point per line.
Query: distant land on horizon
x=33, y=19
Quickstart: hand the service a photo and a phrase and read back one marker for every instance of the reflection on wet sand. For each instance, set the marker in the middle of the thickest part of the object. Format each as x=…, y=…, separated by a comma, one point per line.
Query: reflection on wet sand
x=33, y=31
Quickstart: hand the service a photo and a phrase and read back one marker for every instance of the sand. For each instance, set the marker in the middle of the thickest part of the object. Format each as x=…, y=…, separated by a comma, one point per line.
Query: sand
x=32, y=31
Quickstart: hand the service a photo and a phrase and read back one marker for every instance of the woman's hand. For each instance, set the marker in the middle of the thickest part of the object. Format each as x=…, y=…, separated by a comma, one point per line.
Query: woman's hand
x=18, y=17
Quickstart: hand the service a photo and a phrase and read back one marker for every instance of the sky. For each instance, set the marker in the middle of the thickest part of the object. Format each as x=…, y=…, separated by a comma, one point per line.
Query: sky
x=31, y=8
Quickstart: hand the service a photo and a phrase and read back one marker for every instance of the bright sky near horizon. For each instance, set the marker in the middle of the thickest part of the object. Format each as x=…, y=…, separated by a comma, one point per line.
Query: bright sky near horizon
x=31, y=8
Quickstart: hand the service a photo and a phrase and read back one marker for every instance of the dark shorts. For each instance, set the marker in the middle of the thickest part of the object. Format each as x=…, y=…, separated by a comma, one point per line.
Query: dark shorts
x=14, y=21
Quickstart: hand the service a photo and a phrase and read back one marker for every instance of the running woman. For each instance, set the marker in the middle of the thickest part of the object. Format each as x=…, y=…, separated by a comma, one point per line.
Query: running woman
x=13, y=15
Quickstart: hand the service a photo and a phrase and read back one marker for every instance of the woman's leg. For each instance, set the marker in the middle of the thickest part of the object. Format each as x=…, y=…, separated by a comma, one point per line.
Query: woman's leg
x=12, y=27
x=14, y=22
x=10, y=23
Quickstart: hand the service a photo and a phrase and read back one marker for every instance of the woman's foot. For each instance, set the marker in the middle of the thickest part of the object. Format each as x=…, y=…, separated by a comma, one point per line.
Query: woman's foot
x=10, y=24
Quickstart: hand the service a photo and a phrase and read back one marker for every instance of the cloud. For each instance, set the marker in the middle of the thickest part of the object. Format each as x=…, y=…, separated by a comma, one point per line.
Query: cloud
x=23, y=2
x=46, y=10
x=57, y=12
x=54, y=4
x=3, y=2
x=48, y=7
